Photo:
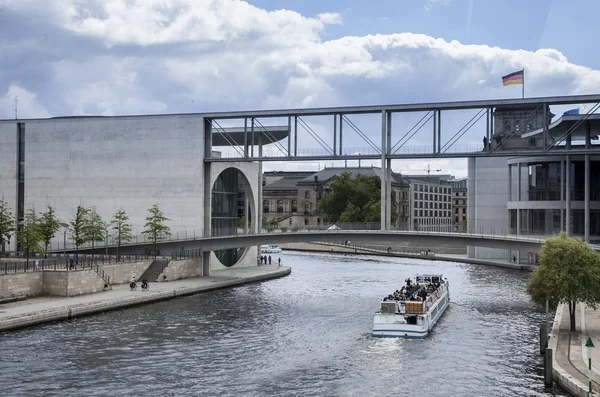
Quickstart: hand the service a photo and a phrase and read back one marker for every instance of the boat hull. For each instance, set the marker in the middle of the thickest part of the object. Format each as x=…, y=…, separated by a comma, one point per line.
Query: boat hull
x=385, y=326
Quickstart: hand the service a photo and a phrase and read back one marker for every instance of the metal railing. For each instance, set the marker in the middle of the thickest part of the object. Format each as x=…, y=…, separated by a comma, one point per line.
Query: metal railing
x=69, y=262
x=404, y=251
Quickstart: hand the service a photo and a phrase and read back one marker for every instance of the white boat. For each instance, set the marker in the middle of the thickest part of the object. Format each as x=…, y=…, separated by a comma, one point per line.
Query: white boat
x=413, y=311
x=270, y=249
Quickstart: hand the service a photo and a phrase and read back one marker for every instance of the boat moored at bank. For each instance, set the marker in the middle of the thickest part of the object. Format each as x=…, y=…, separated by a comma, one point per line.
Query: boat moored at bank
x=270, y=249
x=413, y=310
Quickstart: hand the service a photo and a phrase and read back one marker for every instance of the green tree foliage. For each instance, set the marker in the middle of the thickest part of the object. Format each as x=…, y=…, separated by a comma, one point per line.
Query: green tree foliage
x=355, y=199
x=93, y=229
x=48, y=225
x=122, y=229
x=155, y=227
x=29, y=234
x=569, y=272
x=78, y=226
x=7, y=222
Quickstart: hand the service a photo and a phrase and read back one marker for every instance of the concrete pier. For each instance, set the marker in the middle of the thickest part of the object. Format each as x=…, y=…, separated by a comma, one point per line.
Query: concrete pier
x=51, y=308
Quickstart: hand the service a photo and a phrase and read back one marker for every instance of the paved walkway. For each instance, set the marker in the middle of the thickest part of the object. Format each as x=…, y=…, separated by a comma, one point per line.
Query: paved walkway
x=50, y=308
x=570, y=354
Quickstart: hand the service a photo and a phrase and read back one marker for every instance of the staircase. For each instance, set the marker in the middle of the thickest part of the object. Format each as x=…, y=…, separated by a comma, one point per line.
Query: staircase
x=105, y=277
x=155, y=269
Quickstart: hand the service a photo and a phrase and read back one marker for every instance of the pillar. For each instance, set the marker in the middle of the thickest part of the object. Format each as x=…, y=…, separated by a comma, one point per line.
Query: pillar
x=260, y=178
x=246, y=211
x=519, y=199
x=562, y=196
x=587, y=199
x=207, y=127
x=388, y=177
x=383, y=168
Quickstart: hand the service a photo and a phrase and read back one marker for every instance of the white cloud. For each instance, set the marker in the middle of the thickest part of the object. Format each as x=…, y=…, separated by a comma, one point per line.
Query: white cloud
x=330, y=18
x=429, y=4
x=27, y=104
x=181, y=56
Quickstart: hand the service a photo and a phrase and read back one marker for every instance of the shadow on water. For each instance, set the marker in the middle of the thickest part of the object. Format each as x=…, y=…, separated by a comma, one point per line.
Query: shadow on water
x=306, y=334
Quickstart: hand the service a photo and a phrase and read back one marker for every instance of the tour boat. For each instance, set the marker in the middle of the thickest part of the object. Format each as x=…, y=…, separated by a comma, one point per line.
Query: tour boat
x=270, y=249
x=412, y=311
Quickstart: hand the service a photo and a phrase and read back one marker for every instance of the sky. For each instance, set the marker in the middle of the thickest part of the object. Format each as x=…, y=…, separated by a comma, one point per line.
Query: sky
x=116, y=57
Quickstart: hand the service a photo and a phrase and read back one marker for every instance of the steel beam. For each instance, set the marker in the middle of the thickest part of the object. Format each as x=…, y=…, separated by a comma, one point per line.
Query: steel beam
x=334, y=134
x=410, y=156
x=341, y=129
x=383, y=166
x=414, y=107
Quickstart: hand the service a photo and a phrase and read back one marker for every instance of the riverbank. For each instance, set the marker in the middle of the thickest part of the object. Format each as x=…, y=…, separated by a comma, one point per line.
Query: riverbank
x=44, y=309
x=339, y=249
x=569, y=354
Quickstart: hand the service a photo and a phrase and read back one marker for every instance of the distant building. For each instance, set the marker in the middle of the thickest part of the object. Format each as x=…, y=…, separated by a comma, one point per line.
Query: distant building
x=292, y=198
x=459, y=203
x=430, y=203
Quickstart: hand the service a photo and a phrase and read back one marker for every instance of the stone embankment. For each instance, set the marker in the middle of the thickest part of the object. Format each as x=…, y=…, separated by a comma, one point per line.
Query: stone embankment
x=46, y=309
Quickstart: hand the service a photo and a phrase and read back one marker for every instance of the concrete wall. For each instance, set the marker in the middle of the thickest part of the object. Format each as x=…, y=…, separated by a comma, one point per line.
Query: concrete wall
x=84, y=282
x=121, y=273
x=56, y=283
x=182, y=269
x=8, y=167
x=62, y=283
x=111, y=163
x=487, y=202
x=21, y=284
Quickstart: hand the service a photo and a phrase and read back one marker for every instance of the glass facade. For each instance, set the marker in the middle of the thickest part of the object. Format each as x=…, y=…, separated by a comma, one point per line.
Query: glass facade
x=545, y=184
x=225, y=211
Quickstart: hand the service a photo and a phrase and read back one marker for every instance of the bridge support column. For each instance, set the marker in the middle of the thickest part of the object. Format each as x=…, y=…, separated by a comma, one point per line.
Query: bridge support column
x=207, y=127
x=206, y=263
x=519, y=199
x=586, y=211
x=383, y=213
x=388, y=175
x=562, y=196
x=260, y=187
x=568, y=196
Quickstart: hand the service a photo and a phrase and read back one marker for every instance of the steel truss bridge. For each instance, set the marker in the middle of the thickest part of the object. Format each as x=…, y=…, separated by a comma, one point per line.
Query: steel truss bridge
x=250, y=140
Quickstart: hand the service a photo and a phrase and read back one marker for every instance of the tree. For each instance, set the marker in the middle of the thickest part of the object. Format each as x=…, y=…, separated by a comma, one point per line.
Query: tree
x=155, y=227
x=355, y=199
x=29, y=234
x=122, y=229
x=48, y=225
x=569, y=272
x=78, y=226
x=93, y=229
x=7, y=222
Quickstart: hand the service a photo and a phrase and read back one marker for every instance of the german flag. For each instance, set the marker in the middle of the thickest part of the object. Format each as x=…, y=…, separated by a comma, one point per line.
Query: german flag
x=514, y=78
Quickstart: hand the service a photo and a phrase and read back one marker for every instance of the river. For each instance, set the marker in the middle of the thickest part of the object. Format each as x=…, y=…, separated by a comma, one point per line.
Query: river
x=307, y=334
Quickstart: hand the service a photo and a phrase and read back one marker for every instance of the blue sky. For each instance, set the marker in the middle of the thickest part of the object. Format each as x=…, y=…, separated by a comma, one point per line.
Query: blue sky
x=569, y=26
x=116, y=57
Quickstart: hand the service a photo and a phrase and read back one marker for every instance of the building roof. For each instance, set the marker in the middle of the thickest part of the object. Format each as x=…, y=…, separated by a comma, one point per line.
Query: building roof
x=285, y=183
x=235, y=136
x=566, y=122
x=327, y=174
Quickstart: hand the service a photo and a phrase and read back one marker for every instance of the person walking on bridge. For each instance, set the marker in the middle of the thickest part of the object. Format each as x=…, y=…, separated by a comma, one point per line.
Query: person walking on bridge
x=269, y=259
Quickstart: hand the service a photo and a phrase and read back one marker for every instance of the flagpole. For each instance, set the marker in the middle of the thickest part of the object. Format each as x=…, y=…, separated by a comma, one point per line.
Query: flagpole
x=523, y=91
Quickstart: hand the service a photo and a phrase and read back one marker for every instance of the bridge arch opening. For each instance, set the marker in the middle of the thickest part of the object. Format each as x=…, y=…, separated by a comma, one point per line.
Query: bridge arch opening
x=231, y=211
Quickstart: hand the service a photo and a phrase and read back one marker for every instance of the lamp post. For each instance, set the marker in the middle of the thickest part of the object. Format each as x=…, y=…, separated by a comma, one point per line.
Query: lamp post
x=106, y=224
x=22, y=225
x=66, y=226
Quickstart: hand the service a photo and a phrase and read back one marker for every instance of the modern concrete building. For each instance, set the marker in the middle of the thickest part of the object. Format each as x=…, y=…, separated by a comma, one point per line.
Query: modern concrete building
x=539, y=195
x=131, y=163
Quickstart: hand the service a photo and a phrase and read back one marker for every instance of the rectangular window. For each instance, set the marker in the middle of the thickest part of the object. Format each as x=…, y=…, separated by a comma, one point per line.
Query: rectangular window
x=420, y=212
x=305, y=221
x=416, y=212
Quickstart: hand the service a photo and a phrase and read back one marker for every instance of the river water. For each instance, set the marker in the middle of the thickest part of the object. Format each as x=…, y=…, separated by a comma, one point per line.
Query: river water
x=307, y=334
